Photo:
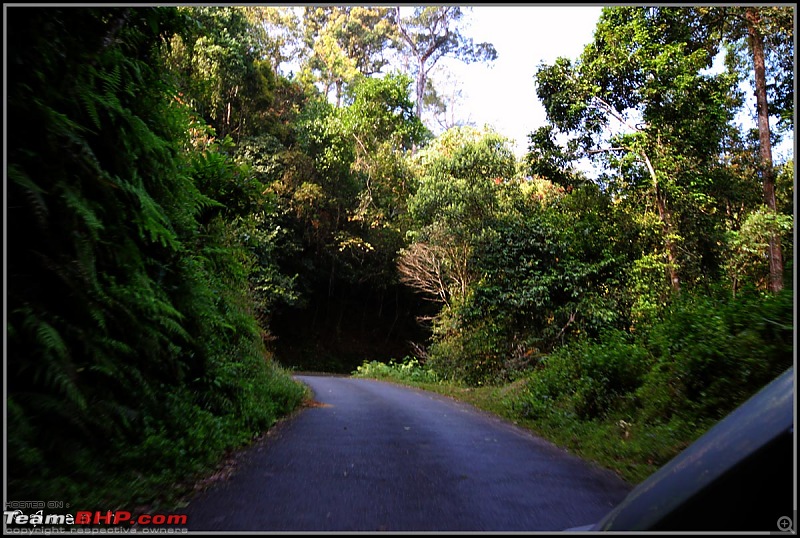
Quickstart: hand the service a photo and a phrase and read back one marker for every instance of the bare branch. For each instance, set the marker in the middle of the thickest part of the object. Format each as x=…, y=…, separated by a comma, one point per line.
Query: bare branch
x=606, y=150
x=420, y=266
x=613, y=112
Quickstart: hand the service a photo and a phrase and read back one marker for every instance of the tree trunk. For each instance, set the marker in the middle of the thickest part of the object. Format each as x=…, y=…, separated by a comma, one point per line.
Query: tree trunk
x=672, y=249
x=765, y=147
x=422, y=79
x=665, y=215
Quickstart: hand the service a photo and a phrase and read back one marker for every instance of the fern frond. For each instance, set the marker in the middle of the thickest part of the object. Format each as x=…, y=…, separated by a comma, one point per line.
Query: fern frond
x=87, y=97
x=99, y=317
x=50, y=340
x=118, y=346
x=85, y=263
x=112, y=80
x=33, y=191
x=52, y=410
x=151, y=221
x=111, y=412
x=56, y=371
x=80, y=206
x=111, y=102
x=173, y=327
x=58, y=122
x=145, y=391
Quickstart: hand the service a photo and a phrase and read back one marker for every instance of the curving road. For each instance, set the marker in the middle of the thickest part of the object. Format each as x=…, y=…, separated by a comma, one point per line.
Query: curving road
x=374, y=456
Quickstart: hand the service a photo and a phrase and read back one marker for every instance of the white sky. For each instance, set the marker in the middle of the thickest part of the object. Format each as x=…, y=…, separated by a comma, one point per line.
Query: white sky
x=503, y=95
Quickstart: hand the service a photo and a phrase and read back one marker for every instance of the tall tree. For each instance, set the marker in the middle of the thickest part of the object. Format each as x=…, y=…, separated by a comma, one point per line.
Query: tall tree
x=443, y=98
x=345, y=42
x=641, y=99
x=276, y=30
x=756, y=40
x=217, y=69
x=430, y=34
x=459, y=175
x=760, y=41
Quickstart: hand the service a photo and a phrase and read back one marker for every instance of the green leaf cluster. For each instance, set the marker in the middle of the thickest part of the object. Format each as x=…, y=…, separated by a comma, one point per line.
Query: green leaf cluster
x=134, y=358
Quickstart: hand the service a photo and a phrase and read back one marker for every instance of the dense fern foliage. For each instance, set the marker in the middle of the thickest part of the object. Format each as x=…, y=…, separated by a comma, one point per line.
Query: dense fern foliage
x=131, y=335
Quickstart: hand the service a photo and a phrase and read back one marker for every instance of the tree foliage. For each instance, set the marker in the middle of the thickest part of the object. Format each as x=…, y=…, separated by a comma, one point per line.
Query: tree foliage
x=346, y=43
x=131, y=334
x=641, y=100
x=431, y=33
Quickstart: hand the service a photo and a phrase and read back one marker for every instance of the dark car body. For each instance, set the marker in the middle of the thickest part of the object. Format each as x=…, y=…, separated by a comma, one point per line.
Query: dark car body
x=739, y=476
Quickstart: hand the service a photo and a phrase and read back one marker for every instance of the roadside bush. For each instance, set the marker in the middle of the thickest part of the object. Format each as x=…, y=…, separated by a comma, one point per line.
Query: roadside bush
x=589, y=379
x=713, y=353
x=474, y=354
x=701, y=360
x=410, y=369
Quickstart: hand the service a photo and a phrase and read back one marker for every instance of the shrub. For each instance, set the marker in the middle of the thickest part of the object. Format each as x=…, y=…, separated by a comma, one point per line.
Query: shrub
x=713, y=353
x=410, y=369
x=590, y=378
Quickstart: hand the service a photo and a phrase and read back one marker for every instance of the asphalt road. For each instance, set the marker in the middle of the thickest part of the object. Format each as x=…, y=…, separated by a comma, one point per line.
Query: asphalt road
x=375, y=456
